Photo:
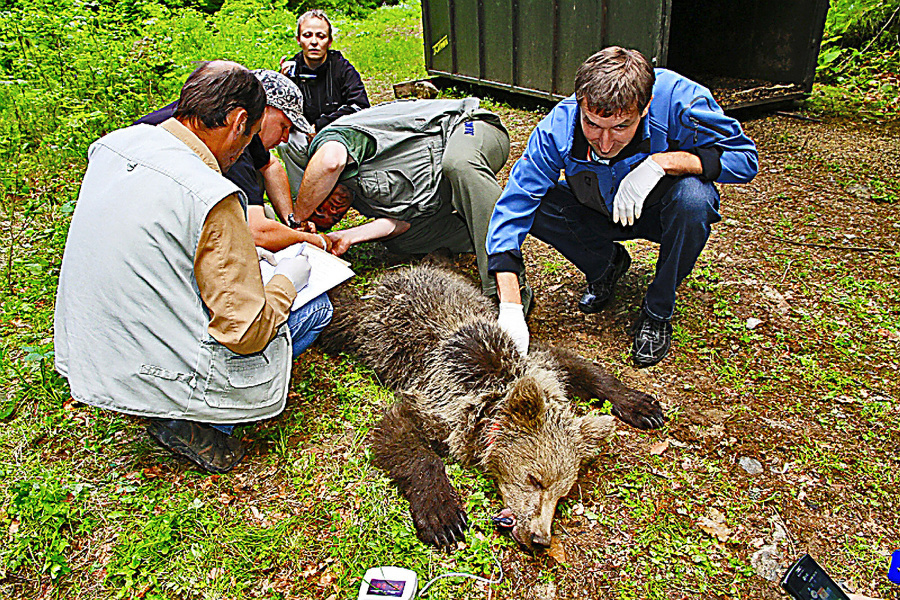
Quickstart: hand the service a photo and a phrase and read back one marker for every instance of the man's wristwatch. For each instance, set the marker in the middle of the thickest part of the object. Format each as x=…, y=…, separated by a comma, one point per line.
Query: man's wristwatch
x=292, y=223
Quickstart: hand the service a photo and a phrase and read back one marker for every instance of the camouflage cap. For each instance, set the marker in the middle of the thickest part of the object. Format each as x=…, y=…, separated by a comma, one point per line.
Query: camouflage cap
x=283, y=94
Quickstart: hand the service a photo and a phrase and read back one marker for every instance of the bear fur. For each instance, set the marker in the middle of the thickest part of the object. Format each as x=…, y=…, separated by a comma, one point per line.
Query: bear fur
x=463, y=390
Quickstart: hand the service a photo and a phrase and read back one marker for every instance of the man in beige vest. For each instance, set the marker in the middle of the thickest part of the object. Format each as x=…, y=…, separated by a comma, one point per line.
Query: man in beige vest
x=161, y=310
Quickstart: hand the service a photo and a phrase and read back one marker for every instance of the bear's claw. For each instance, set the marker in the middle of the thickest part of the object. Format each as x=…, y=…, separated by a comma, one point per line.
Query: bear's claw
x=640, y=410
x=440, y=522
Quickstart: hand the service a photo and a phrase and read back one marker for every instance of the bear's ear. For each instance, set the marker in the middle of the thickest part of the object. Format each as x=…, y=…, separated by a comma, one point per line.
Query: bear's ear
x=525, y=404
x=595, y=429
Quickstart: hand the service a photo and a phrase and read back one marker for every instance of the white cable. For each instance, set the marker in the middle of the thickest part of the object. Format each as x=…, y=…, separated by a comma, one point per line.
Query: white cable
x=469, y=575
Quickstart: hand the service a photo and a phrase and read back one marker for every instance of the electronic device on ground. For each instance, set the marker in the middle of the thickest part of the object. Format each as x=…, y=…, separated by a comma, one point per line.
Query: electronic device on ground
x=381, y=583
x=806, y=580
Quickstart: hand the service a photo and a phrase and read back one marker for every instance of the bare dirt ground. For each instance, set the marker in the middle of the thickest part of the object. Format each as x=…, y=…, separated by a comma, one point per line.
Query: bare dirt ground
x=781, y=387
x=790, y=246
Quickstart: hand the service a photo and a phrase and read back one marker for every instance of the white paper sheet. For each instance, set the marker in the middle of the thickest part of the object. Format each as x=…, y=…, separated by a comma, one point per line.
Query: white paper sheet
x=326, y=271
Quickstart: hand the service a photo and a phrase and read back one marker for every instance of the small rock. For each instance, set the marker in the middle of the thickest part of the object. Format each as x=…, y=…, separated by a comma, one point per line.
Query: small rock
x=731, y=221
x=766, y=563
x=751, y=465
x=753, y=323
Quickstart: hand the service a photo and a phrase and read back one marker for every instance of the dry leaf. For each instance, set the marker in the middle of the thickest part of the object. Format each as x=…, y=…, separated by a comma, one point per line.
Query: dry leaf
x=556, y=550
x=659, y=447
x=714, y=525
x=152, y=472
x=308, y=571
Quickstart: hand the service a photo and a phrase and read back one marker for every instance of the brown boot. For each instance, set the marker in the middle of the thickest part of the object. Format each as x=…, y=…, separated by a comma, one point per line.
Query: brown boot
x=202, y=444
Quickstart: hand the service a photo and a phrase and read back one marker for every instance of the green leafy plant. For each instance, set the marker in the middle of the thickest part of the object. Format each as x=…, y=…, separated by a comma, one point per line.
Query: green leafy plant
x=45, y=514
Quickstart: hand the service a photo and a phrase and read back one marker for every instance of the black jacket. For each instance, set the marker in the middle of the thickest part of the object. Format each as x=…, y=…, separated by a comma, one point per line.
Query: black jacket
x=333, y=90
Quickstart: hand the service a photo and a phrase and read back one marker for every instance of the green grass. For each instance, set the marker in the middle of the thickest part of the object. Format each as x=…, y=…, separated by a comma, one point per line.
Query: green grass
x=858, y=55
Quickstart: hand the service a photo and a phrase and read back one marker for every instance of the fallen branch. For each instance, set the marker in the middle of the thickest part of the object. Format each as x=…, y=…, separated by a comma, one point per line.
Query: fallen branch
x=798, y=116
x=828, y=246
x=767, y=88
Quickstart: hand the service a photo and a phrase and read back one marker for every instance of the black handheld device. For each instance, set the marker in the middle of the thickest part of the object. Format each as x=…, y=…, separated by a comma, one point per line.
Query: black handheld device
x=806, y=580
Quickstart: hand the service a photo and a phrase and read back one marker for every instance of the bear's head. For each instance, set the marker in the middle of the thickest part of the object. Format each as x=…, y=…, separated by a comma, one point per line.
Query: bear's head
x=535, y=446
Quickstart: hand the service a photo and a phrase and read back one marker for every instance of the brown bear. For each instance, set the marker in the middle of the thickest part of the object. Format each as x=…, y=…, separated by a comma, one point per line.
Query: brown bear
x=464, y=390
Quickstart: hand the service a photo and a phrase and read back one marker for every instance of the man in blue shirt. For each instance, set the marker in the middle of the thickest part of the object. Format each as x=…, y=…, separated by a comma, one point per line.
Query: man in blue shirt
x=639, y=149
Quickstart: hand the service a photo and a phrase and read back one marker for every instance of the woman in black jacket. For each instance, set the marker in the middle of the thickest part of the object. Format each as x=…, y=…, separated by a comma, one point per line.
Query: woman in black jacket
x=331, y=86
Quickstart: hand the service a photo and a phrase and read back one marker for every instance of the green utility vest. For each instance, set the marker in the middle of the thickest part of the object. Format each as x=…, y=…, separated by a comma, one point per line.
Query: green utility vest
x=402, y=180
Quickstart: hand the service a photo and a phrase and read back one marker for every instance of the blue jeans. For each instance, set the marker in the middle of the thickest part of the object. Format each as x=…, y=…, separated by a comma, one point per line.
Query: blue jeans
x=305, y=323
x=308, y=321
x=679, y=222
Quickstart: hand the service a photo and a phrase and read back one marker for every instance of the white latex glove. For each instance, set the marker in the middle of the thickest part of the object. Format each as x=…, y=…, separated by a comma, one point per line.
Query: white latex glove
x=634, y=189
x=512, y=321
x=296, y=269
x=265, y=255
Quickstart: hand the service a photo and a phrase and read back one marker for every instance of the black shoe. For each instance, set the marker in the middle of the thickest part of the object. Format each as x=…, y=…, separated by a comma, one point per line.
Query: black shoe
x=213, y=450
x=652, y=340
x=600, y=292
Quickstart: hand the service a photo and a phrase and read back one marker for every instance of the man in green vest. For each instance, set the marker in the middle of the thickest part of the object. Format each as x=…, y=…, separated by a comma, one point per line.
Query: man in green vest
x=425, y=170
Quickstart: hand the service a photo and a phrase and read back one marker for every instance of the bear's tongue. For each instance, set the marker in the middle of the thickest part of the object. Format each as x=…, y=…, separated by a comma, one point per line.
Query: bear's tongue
x=505, y=519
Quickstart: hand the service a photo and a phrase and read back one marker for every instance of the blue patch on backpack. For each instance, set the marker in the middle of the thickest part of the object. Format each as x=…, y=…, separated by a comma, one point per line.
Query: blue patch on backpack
x=470, y=128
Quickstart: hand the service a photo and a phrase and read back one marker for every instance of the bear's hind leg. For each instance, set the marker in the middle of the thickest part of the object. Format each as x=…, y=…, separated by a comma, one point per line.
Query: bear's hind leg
x=344, y=331
x=403, y=448
x=586, y=380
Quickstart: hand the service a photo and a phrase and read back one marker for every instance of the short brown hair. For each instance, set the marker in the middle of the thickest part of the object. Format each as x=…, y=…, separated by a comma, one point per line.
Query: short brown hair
x=615, y=81
x=316, y=13
x=216, y=88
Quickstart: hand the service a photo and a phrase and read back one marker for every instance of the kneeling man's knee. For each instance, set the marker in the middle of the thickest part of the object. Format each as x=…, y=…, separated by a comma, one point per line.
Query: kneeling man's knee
x=696, y=200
